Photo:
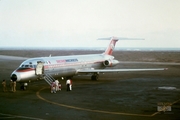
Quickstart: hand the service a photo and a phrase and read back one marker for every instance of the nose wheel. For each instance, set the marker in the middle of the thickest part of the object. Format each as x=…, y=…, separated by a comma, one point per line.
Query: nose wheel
x=24, y=86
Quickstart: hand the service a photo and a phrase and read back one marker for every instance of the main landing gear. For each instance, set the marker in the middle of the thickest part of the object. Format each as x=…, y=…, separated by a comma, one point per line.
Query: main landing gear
x=95, y=76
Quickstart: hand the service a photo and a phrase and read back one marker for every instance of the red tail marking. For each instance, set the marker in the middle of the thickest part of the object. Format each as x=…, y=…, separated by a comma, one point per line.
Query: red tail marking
x=111, y=47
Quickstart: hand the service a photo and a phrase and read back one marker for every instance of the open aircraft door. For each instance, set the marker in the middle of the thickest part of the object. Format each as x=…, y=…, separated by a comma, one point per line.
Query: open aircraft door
x=40, y=68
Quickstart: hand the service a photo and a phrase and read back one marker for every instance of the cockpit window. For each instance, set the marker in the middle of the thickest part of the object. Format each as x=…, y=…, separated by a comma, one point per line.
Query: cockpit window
x=27, y=66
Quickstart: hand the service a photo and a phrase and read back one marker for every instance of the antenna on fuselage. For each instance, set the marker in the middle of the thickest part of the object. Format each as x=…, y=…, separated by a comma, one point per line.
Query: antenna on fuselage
x=50, y=55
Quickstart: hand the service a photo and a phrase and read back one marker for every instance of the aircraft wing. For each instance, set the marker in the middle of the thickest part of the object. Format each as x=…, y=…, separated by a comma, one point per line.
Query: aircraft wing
x=6, y=57
x=156, y=63
x=116, y=70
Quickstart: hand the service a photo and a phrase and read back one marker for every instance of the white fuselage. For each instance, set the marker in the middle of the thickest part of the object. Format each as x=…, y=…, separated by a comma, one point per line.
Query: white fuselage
x=60, y=66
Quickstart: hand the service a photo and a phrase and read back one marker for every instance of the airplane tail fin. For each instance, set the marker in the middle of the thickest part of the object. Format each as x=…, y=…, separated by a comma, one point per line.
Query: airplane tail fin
x=111, y=46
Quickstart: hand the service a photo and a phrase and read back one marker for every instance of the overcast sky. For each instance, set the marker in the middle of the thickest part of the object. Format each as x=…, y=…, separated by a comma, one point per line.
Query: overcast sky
x=78, y=23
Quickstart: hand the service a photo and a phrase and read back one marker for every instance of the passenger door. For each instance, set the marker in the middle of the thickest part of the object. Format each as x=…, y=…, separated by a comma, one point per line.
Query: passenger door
x=40, y=68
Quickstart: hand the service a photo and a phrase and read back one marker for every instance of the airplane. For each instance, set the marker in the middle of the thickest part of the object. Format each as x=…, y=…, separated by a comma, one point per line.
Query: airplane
x=49, y=68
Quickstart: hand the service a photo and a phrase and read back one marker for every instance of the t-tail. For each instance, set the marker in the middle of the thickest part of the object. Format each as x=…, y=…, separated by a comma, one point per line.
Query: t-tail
x=109, y=50
x=111, y=46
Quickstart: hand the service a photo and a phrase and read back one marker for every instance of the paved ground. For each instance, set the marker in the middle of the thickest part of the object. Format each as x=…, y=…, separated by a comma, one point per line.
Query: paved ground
x=132, y=95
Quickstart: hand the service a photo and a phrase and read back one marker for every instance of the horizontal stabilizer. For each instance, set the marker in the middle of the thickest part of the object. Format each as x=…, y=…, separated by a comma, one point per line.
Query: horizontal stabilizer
x=110, y=48
x=120, y=38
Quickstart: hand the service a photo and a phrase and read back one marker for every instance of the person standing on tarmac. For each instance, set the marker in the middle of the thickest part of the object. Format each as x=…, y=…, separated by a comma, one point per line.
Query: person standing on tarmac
x=14, y=86
x=68, y=84
x=4, y=85
x=14, y=83
x=11, y=85
x=57, y=85
x=53, y=87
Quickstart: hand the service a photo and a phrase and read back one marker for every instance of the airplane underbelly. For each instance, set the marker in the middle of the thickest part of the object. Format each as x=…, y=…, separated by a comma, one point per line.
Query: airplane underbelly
x=61, y=72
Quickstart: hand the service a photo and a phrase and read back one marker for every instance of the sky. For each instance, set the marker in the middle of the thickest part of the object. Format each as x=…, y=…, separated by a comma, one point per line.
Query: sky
x=78, y=23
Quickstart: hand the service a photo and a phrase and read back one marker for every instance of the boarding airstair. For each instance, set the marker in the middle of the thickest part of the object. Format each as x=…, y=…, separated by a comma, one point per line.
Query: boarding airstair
x=48, y=78
x=42, y=74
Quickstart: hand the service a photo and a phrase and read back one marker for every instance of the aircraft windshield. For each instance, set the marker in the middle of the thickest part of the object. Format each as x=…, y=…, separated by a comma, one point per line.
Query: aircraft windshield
x=27, y=66
x=30, y=63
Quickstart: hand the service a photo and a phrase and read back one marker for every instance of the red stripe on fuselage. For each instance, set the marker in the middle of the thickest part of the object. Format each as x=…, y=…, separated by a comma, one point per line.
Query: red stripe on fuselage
x=25, y=69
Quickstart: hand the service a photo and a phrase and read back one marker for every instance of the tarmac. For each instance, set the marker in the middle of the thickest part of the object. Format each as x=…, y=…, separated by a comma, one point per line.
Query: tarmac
x=115, y=96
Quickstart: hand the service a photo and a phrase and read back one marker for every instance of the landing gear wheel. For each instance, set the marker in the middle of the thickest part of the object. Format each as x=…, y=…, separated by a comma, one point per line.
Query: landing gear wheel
x=94, y=77
x=23, y=86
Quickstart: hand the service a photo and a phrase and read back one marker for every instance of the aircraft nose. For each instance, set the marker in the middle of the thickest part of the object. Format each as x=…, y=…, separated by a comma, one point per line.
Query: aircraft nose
x=15, y=77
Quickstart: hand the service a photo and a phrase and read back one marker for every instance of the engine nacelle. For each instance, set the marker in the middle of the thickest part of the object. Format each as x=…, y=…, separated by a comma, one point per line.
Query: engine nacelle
x=110, y=63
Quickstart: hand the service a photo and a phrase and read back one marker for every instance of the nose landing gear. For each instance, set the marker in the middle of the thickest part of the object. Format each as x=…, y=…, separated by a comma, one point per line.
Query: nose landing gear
x=24, y=86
